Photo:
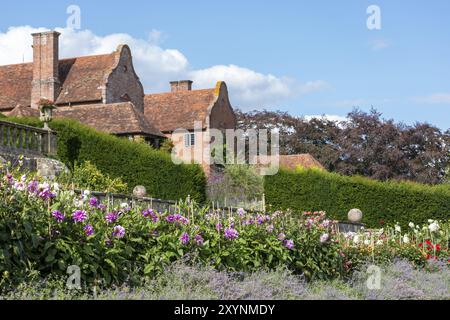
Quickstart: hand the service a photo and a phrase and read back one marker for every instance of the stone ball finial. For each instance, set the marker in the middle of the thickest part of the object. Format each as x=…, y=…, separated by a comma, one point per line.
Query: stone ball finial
x=355, y=215
x=139, y=191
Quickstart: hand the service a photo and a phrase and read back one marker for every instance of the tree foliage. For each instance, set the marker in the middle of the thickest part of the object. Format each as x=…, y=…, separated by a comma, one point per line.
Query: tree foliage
x=366, y=144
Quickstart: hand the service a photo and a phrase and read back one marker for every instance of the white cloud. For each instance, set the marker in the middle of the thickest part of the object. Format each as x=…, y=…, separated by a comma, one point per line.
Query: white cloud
x=252, y=89
x=330, y=117
x=379, y=44
x=437, y=98
x=156, y=66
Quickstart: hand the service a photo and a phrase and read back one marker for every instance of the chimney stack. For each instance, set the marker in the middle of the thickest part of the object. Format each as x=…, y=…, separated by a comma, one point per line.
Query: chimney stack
x=183, y=85
x=46, y=84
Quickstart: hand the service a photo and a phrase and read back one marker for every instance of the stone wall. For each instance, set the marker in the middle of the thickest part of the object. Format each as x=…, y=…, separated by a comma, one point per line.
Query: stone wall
x=123, y=83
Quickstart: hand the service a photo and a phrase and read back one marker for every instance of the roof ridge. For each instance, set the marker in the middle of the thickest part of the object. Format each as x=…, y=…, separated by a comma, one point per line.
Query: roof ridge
x=181, y=92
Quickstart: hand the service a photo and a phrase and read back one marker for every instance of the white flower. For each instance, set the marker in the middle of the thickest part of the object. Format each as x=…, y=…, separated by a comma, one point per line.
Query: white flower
x=398, y=228
x=430, y=221
x=379, y=242
x=349, y=235
x=411, y=225
x=124, y=205
x=367, y=242
x=86, y=193
x=356, y=239
x=406, y=239
x=433, y=227
x=324, y=238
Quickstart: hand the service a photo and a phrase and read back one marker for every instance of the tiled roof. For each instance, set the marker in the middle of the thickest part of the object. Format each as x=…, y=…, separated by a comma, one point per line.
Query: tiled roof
x=117, y=118
x=291, y=162
x=21, y=111
x=179, y=110
x=306, y=161
x=81, y=78
x=15, y=85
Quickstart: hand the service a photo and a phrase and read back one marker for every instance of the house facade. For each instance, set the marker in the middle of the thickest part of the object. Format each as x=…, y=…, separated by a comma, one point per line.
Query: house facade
x=104, y=92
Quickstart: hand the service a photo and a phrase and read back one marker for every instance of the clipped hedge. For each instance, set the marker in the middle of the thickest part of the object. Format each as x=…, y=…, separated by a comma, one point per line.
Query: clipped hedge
x=135, y=163
x=388, y=202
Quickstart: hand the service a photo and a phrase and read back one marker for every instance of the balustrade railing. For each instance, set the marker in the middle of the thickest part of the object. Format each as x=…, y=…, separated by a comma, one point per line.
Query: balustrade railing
x=25, y=140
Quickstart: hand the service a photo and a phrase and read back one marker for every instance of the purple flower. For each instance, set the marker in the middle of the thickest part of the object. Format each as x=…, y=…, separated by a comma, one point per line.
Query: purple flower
x=231, y=234
x=79, y=216
x=9, y=178
x=281, y=236
x=150, y=214
x=101, y=207
x=147, y=213
x=289, y=244
x=184, y=220
x=185, y=238
x=119, y=232
x=219, y=227
x=270, y=228
x=45, y=192
x=199, y=240
x=59, y=217
x=111, y=217
x=241, y=212
x=89, y=230
x=33, y=186
x=170, y=218
x=93, y=202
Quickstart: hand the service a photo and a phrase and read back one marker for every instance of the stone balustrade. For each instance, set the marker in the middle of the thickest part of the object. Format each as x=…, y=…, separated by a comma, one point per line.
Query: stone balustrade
x=18, y=139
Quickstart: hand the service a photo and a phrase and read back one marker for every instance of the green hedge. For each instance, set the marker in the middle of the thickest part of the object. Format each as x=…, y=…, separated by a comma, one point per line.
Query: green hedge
x=315, y=190
x=135, y=163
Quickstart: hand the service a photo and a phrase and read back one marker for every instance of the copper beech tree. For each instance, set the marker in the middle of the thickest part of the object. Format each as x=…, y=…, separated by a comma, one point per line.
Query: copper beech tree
x=365, y=144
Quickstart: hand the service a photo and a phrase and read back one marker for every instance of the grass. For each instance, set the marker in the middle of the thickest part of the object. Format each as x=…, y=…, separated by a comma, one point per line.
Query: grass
x=399, y=281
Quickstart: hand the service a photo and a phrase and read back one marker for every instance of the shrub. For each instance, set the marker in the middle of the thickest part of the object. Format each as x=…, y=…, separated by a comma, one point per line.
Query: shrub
x=381, y=202
x=237, y=185
x=135, y=163
x=87, y=176
x=45, y=229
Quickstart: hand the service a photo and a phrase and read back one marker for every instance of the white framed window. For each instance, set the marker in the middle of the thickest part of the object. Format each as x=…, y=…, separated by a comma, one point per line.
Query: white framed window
x=189, y=140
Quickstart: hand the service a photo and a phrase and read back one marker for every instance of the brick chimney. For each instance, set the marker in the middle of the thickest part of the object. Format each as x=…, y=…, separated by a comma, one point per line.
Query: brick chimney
x=183, y=85
x=46, y=84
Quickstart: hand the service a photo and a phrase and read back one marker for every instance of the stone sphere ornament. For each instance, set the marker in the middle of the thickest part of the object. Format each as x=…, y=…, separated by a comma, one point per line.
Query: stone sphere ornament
x=355, y=215
x=140, y=192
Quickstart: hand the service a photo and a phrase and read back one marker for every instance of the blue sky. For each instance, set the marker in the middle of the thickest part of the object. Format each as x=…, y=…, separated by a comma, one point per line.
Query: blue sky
x=305, y=57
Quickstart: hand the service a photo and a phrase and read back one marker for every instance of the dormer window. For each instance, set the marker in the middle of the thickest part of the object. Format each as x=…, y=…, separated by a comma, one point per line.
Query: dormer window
x=189, y=140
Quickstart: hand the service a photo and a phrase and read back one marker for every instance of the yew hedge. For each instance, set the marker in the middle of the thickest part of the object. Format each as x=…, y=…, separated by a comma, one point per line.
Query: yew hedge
x=381, y=202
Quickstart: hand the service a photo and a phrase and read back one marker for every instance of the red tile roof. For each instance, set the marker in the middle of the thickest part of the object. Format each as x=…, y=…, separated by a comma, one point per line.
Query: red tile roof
x=292, y=162
x=81, y=78
x=305, y=161
x=116, y=118
x=175, y=110
x=15, y=85
x=21, y=111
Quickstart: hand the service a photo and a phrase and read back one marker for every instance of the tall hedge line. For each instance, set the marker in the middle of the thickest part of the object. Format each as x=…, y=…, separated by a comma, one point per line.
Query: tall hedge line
x=388, y=202
x=135, y=163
